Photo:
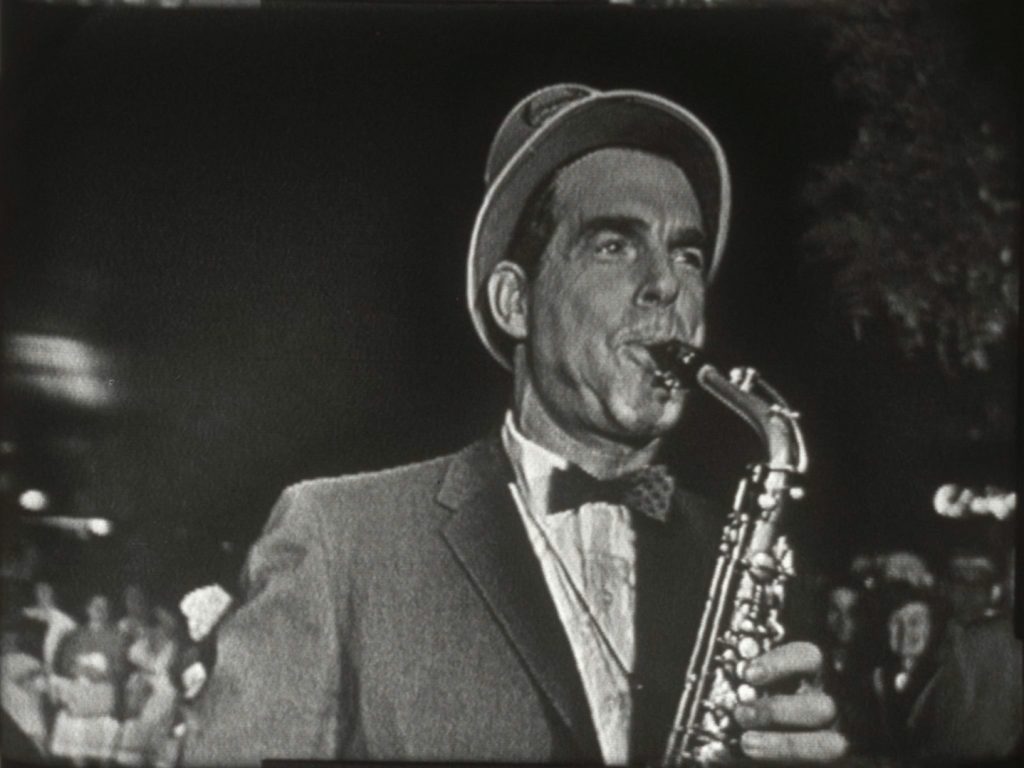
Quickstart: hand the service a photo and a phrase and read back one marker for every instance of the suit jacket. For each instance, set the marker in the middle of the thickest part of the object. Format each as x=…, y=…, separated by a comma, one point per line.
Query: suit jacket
x=402, y=615
x=973, y=708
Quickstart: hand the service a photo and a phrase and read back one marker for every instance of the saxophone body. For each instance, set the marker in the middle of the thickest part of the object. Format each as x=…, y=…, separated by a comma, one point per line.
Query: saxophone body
x=741, y=615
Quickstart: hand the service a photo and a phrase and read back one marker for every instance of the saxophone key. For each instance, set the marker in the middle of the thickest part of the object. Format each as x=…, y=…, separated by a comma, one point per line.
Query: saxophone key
x=713, y=752
x=748, y=647
x=762, y=566
x=722, y=696
x=715, y=726
x=746, y=693
x=728, y=663
x=741, y=669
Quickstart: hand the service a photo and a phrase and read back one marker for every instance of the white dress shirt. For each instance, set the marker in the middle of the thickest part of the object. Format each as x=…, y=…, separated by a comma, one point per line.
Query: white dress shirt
x=588, y=557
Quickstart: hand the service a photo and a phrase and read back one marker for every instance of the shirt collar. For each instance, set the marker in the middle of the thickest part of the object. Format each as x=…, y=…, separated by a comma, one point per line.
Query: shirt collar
x=533, y=465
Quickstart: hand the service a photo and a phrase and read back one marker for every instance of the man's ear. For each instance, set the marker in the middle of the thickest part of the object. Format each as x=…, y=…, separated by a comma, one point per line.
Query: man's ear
x=507, y=291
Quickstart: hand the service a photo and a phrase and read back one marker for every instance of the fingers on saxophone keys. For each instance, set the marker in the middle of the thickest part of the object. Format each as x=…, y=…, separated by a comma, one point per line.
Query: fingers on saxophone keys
x=807, y=710
x=787, y=748
x=796, y=658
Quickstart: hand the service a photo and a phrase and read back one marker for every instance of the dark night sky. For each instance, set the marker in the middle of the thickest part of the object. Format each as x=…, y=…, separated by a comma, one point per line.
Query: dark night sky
x=266, y=216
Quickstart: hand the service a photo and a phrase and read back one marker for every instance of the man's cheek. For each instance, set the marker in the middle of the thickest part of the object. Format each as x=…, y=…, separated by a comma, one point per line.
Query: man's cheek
x=577, y=330
x=691, y=311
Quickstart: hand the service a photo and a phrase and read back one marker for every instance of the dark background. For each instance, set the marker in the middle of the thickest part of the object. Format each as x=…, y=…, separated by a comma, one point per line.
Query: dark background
x=264, y=217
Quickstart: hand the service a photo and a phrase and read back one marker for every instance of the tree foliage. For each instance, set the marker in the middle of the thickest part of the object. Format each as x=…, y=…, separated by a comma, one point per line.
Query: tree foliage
x=918, y=223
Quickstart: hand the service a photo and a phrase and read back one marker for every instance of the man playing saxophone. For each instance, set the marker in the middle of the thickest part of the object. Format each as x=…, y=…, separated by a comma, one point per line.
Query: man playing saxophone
x=535, y=596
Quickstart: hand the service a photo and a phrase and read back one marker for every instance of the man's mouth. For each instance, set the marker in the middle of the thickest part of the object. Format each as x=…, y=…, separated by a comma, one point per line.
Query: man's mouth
x=661, y=359
x=665, y=374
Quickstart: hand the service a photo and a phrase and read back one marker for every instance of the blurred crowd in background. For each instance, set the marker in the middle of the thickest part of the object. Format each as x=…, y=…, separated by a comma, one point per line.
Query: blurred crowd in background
x=103, y=682
x=920, y=654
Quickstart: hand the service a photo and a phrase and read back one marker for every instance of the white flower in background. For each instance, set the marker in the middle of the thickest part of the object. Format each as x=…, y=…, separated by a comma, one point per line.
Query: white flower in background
x=204, y=608
x=1004, y=505
x=945, y=500
x=193, y=679
x=953, y=501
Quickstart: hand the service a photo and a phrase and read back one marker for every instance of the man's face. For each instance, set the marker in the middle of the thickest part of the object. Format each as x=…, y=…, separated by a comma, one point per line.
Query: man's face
x=842, y=603
x=910, y=628
x=625, y=268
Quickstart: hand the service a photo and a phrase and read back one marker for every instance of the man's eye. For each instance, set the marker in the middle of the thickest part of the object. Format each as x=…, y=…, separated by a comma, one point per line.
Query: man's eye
x=691, y=256
x=612, y=246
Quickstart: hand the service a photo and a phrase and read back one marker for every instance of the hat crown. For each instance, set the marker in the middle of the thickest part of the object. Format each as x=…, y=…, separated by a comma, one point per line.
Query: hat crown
x=528, y=116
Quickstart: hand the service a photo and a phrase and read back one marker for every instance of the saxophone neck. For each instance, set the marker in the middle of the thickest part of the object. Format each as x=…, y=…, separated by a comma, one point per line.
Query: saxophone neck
x=764, y=410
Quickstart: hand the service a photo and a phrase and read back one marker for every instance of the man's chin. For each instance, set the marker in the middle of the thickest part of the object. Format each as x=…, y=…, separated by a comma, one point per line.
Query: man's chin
x=650, y=418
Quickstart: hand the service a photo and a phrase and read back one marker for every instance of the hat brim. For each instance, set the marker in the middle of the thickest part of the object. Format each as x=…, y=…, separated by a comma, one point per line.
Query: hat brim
x=630, y=119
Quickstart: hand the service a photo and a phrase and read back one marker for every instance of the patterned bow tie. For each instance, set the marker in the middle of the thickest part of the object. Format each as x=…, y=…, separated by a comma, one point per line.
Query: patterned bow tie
x=646, y=491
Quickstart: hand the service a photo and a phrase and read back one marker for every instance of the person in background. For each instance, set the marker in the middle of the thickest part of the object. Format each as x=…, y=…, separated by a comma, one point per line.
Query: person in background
x=842, y=619
x=85, y=689
x=850, y=650
x=975, y=708
x=913, y=625
x=22, y=680
x=150, y=692
x=971, y=585
x=58, y=624
x=137, y=617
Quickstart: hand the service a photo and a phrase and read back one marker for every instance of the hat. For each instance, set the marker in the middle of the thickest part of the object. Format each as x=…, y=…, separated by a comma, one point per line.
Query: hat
x=558, y=124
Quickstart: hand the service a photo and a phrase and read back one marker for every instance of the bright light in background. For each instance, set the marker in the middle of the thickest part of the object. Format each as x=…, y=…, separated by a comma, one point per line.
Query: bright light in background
x=83, y=527
x=34, y=500
x=956, y=502
x=61, y=367
x=99, y=526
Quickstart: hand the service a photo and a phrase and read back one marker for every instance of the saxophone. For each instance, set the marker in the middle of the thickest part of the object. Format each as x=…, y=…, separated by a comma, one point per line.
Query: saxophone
x=741, y=615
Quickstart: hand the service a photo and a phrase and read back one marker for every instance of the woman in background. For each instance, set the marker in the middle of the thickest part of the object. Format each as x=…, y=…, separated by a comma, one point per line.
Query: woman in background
x=901, y=683
x=850, y=646
x=137, y=618
x=58, y=624
x=85, y=689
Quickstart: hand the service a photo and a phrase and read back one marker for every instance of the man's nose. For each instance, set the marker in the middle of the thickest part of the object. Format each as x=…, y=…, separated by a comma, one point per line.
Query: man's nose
x=659, y=284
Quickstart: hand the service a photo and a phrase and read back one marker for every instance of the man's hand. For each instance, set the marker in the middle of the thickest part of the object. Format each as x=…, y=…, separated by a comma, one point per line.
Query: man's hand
x=795, y=727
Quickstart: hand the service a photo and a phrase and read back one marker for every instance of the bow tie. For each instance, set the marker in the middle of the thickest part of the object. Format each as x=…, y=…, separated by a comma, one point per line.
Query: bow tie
x=646, y=491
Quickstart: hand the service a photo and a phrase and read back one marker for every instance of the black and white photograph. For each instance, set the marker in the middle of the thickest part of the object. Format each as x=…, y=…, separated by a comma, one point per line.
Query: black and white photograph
x=523, y=383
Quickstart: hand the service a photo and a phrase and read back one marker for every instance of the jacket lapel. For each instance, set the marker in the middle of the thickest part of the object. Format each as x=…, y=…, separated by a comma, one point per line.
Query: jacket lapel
x=674, y=563
x=489, y=540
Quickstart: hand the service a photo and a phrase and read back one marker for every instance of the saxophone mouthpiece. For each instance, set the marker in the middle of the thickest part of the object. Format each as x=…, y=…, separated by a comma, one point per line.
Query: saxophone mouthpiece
x=677, y=364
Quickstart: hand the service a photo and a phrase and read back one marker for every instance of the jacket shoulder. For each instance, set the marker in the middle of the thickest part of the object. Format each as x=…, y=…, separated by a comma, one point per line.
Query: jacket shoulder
x=370, y=505
x=384, y=481
x=395, y=486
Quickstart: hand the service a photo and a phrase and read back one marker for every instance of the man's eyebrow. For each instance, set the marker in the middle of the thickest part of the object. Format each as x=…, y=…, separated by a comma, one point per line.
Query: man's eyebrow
x=625, y=225
x=687, y=236
x=630, y=225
